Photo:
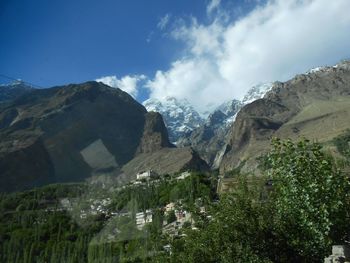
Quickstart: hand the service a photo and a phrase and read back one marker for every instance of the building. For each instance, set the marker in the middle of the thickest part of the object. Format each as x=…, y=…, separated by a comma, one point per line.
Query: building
x=340, y=253
x=145, y=175
x=183, y=175
x=143, y=218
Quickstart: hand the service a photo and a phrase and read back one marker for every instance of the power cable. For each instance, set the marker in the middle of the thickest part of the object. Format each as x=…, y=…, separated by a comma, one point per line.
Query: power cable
x=25, y=82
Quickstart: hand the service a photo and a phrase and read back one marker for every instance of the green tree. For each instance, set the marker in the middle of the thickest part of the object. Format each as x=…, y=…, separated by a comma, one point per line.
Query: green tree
x=171, y=217
x=310, y=197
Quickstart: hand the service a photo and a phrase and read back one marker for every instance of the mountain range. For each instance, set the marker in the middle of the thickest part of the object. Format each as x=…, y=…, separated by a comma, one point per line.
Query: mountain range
x=314, y=105
x=73, y=132
x=70, y=133
x=179, y=116
x=205, y=135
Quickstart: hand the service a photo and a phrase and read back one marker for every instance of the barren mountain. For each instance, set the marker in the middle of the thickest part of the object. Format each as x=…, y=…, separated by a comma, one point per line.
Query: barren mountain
x=315, y=105
x=69, y=133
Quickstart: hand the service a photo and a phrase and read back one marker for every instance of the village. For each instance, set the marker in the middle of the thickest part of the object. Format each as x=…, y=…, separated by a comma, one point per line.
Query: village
x=175, y=215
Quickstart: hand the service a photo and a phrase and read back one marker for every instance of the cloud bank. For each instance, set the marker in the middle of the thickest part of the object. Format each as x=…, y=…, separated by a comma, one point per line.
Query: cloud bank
x=275, y=41
x=127, y=83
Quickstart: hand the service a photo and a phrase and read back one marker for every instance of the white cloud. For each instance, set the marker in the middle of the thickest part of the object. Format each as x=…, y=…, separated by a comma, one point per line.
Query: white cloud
x=127, y=83
x=214, y=4
x=185, y=79
x=164, y=21
x=273, y=42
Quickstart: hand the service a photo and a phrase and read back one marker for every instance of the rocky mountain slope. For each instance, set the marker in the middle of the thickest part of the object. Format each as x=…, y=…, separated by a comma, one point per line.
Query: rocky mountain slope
x=69, y=133
x=179, y=116
x=11, y=91
x=210, y=139
x=315, y=105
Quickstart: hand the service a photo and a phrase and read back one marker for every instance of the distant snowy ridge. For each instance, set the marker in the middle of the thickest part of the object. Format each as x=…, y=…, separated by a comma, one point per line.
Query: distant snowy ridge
x=232, y=107
x=179, y=116
x=343, y=64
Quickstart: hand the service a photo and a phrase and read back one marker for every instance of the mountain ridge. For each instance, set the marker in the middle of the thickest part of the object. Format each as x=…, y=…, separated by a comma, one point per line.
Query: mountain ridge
x=315, y=105
x=78, y=131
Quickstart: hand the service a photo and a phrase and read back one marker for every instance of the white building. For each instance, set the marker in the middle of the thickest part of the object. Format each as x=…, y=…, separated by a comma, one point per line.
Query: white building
x=143, y=218
x=183, y=175
x=145, y=175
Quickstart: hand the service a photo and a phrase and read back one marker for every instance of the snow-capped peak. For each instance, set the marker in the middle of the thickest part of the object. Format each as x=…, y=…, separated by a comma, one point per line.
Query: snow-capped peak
x=179, y=116
x=257, y=92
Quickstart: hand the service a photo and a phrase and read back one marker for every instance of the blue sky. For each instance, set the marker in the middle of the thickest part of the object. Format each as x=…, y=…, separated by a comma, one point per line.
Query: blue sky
x=204, y=51
x=56, y=42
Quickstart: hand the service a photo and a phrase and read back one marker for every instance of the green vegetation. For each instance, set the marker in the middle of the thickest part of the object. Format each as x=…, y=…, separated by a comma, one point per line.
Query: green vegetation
x=34, y=227
x=306, y=210
x=342, y=143
x=294, y=213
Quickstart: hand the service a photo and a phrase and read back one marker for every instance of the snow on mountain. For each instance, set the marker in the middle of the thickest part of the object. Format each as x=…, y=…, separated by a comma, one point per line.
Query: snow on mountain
x=343, y=64
x=232, y=107
x=257, y=92
x=179, y=116
x=11, y=91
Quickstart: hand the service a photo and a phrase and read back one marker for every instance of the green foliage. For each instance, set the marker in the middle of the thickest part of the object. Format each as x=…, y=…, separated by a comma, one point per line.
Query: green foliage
x=35, y=228
x=342, y=143
x=171, y=217
x=306, y=210
x=311, y=197
x=297, y=220
x=237, y=234
x=236, y=171
x=165, y=191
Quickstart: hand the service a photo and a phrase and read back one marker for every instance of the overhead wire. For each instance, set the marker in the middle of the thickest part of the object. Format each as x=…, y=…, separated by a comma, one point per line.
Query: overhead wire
x=16, y=79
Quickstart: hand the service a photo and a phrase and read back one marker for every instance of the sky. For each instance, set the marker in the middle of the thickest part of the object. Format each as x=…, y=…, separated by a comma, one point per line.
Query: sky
x=205, y=51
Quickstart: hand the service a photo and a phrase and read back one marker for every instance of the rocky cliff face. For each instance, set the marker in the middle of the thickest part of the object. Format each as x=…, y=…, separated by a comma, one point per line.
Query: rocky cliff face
x=68, y=133
x=155, y=134
x=315, y=105
x=210, y=139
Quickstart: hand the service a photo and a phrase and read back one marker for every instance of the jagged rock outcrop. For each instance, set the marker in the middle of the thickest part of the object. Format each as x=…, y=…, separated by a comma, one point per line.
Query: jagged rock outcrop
x=155, y=134
x=315, y=105
x=209, y=138
x=179, y=116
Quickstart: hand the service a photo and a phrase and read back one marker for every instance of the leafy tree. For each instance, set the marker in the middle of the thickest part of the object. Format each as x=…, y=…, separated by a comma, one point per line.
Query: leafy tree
x=237, y=233
x=342, y=143
x=297, y=220
x=171, y=217
x=310, y=197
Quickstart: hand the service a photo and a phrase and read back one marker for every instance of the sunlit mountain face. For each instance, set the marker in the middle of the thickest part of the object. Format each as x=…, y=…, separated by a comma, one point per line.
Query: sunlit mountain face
x=174, y=131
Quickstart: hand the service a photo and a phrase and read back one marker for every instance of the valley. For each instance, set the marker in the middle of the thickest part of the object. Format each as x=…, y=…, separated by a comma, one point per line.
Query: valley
x=89, y=174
